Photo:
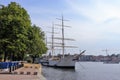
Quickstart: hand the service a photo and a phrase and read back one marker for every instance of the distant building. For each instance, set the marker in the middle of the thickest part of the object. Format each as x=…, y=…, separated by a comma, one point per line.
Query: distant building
x=86, y=58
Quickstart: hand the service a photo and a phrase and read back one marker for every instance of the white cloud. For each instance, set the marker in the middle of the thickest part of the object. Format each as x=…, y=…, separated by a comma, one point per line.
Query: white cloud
x=96, y=10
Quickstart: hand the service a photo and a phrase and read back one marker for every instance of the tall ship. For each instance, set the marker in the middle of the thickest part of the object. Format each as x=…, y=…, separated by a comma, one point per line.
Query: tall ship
x=63, y=60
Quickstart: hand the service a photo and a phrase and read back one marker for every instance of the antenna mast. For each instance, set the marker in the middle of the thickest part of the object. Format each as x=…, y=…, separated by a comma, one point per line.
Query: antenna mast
x=106, y=50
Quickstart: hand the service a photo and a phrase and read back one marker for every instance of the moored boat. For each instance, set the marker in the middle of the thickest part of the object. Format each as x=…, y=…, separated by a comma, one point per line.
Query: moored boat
x=64, y=61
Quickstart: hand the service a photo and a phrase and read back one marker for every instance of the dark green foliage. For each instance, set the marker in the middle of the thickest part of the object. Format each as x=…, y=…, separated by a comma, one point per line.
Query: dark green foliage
x=38, y=46
x=17, y=36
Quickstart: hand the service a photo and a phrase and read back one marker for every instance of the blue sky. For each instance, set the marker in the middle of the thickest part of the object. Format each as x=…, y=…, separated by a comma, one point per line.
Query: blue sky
x=95, y=23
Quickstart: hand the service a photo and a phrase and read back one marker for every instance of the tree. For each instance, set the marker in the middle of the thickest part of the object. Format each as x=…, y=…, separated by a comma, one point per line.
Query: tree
x=15, y=33
x=37, y=46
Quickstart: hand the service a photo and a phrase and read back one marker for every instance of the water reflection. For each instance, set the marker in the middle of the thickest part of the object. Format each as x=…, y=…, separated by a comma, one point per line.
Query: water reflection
x=84, y=71
x=59, y=74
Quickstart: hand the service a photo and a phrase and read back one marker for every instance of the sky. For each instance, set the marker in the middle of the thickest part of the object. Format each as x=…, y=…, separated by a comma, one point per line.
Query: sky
x=94, y=23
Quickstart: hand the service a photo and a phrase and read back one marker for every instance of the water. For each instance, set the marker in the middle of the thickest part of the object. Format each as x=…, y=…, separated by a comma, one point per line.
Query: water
x=85, y=71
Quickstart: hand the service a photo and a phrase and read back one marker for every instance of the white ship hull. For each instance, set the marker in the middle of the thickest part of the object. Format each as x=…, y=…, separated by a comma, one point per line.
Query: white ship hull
x=66, y=62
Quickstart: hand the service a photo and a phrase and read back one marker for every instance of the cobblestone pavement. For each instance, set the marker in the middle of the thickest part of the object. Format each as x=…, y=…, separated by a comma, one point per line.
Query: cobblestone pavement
x=22, y=74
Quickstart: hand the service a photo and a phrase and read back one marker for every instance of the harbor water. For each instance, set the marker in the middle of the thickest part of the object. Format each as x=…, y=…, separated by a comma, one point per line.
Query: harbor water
x=84, y=71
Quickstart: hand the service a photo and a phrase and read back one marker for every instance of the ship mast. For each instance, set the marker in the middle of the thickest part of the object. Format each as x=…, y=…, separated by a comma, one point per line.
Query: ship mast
x=52, y=47
x=63, y=38
x=63, y=49
x=62, y=44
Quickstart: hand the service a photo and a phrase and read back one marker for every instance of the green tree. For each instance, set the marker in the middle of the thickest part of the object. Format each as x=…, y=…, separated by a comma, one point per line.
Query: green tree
x=37, y=46
x=17, y=36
